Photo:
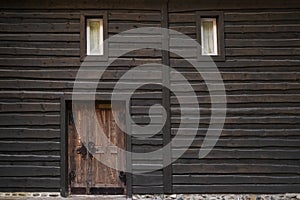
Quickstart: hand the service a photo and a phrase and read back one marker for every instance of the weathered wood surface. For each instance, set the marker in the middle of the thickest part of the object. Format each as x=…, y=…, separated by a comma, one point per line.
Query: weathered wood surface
x=259, y=147
x=85, y=168
x=255, y=152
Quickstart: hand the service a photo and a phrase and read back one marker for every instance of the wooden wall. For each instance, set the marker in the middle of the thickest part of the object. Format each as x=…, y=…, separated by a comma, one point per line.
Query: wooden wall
x=258, y=151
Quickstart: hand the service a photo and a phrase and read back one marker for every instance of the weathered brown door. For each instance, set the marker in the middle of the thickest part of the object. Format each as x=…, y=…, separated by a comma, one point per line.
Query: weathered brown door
x=87, y=175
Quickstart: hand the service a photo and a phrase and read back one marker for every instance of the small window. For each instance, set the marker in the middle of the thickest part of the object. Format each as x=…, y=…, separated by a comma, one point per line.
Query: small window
x=209, y=39
x=210, y=35
x=94, y=39
x=93, y=33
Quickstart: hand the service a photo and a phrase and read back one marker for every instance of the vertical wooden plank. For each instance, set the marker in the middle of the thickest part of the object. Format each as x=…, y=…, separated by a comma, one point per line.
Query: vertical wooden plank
x=87, y=118
x=64, y=149
x=128, y=151
x=104, y=176
x=167, y=171
x=221, y=36
x=82, y=37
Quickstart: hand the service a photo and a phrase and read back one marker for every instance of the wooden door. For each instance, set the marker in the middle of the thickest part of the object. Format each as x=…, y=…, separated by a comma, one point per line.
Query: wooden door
x=87, y=175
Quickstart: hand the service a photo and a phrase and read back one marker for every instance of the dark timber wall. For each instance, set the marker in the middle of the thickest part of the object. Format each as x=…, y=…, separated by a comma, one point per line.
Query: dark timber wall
x=259, y=149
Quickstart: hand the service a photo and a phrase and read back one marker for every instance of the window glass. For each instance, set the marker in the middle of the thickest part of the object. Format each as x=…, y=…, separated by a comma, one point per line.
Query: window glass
x=209, y=36
x=94, y=37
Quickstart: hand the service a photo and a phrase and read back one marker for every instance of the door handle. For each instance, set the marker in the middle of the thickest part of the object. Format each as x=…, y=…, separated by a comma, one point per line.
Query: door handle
x=92, y=149
x=122, y=177
x=72, y=176
x=82, y=150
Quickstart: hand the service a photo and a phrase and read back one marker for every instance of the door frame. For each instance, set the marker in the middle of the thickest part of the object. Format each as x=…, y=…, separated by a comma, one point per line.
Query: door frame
x=64, y=179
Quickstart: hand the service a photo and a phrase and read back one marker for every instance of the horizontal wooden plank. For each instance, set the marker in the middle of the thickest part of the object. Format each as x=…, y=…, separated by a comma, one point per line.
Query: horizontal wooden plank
x=139, y=119
x=115, y=27
x=141, y=53
x=41, y=62
x=234, y=179
x=236, y=132
x=40, y=37
x=186, y=17
x=185, y=29
x=71, y=4
x=134, y=16
x=29, y=119
x=261, y=16
x=29, y=107
x=38, y=44
x=245, y=142
x=71, y=62
x=31, y=95
x=240, y=17
x=41, y=15
x=22, y=132
x=238, y=111
x=39, y=27
x=84, y=85
x=142, y=168
x=141, y=157
x=262, y=42
x=241, y=126
x=147, y=189
x=147, y=180
x=147, y=141
x=180, y=87
x=226, y=168
x=145, y=110
x=39, y=74
x=237, y=188
x=71, y=74
x=144, y=135
x=234, y=161
x=15, y=171
x=261, y=28
x=260, y=35
x=32, y=163
x=255, y=153
x=262, y=51
x=266, y=57
x=26, y=182
x=243, y=51
x=233, y=76
x=235, y=120
x=40, y=84
x=33, y=158
x=39, y=51
x=125, y=40
x=244, y=98
x=193, y=5
x=37, y=20
x=148, y=162
x=12, y=146
x=240, y=63
x=56, y=95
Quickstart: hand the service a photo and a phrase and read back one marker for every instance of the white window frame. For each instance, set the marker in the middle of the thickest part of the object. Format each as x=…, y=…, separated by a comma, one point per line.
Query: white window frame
x=215, y=36
x=88, y=36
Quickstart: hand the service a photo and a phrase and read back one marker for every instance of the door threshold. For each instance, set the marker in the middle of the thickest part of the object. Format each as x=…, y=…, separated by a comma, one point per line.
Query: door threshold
x=98, y=197
x=98, y=191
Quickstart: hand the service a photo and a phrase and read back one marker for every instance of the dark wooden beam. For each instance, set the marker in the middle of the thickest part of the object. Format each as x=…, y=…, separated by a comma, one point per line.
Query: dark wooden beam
x=167, y=170
x=64, y=150
x=195, y=5
x=128, y=152
x=75, y=4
